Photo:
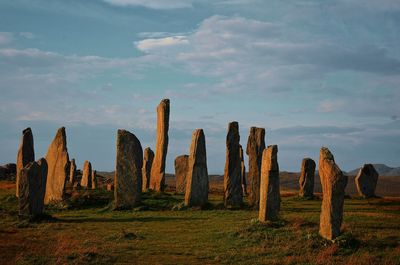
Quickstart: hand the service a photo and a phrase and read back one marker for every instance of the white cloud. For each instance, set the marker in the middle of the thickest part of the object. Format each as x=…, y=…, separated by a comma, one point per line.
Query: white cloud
x=27, y=35
x=153, y=4
x=148, y=45
x=6, y=38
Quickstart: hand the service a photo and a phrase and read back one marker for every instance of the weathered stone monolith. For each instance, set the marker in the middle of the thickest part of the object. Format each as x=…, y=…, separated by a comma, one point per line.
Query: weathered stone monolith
x=110, y=187
x=181, y=168
x=366, y=181
x=72, y=172
x=86, y=181
x=25, y=155
x=270, y=199
x=148, y=158
x=333, y=183
x=255, y=147
x=94, y=179
x=233, y=193
x=243, y=172
x=196, y=193
x=128, y=171
x=58, y=167
x=157, y=179
x=306, y=180
x=32, y=188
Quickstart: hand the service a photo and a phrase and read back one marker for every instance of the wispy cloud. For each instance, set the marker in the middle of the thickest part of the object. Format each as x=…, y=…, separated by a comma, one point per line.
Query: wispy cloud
x=27, y=35
x=148, y=45
x=154, y=4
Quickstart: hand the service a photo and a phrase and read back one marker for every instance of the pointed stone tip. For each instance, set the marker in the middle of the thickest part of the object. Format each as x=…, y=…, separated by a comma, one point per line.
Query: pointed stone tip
x=273, y=148
x=198, y=131
x=27, y=130
x=326, y=154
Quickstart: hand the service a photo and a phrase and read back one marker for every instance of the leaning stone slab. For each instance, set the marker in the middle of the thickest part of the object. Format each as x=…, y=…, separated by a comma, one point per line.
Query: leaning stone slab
x=128, y=171
x=32, y=188
x=58, y=167
x=306, y=180
x=25, y=155
x=181, y=168
x=233, y=193
x=196, y=193
x=270, y=198
x=333, y=183
x=366, y=181
x=157, y=179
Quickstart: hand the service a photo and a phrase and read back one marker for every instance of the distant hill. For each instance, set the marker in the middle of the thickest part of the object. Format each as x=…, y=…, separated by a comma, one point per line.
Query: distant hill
x=388, y=185
x=382, y=169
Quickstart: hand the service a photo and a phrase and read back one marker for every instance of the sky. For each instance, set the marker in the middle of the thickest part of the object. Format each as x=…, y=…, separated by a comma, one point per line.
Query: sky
x=312, y=73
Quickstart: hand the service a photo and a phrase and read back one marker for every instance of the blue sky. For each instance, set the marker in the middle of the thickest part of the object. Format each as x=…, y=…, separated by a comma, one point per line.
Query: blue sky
x=312, y=73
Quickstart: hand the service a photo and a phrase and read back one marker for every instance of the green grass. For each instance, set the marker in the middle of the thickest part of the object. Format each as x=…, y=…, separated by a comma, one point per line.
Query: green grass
x=85, y=231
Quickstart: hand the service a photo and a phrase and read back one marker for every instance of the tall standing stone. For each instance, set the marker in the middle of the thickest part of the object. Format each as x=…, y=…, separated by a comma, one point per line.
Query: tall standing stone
x=148, y=158
x=181, y=168
x=128, y=171
x=366, y=181
x=243, y=171
x=32, y=188
x=306, y=180
x=333, y=183
x=196, y=193
x=25, y=155
x=94, y=179
x=58, y=167
x=233, y=193
x=72, y=172
x=157, y=180
x=270, y=199
x=255, y=148
x=86, y=180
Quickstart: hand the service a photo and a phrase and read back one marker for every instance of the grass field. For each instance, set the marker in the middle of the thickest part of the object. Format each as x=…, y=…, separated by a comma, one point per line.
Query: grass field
x=85, y=231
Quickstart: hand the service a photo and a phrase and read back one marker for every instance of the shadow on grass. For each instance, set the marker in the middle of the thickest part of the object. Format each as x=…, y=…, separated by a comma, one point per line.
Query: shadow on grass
x=125, y=219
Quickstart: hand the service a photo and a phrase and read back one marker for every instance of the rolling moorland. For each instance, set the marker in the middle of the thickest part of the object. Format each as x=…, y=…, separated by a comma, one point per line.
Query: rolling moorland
x=83, y=230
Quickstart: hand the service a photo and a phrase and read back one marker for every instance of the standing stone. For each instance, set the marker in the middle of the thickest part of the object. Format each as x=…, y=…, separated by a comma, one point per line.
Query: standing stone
x=270, y=199
x=25, y=155
x=32, y=188
x=94, y=179
x=86, y=181
x=58, y=167
x=333, y=183
x=243, y=172
x=146, y=171
x=181, y=167
x=157, y=180
x=255, y=148
x=366, y=181
x=196, y=193
x=306, y=180
x=110, y=187
x=233, y=193
x=128, y=171
x=72, y=172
